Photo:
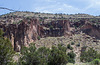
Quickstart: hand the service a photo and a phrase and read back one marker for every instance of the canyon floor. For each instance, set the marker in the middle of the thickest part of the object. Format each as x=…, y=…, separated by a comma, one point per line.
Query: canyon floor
x=80, y=40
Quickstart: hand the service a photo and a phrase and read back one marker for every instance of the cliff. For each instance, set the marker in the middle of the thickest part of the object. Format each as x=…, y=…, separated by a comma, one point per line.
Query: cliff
x=29, y=30
x=21, y=34
x=91, y=30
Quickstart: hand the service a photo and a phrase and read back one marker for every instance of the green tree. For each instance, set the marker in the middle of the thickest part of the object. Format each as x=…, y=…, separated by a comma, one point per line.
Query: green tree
x=71, y=57
x=72, y=43
x=43, y=56
x=58, y=56
x=95, y=62
x=89, y=55
x=69, y=47
x=6, y=50
x=29, y=56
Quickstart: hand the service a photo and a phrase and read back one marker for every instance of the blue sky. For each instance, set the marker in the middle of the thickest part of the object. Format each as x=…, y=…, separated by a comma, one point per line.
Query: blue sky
x=53, y=6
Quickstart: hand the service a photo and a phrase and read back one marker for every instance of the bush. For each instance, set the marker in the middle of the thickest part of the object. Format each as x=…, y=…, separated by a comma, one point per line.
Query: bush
x=29, y=56
x=28, y=17
x=72, y=43
x=51, y=27
x=95, y=62
x=69, y=47
x=71, y=57
x=19, y=21
x=88, y=56
x=45, y=17
x=44, y=56
x=38, y=37
x=58, y=56
x=78, y=45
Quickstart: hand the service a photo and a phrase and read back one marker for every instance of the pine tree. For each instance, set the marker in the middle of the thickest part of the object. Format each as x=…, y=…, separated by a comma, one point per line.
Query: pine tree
x=6, y=50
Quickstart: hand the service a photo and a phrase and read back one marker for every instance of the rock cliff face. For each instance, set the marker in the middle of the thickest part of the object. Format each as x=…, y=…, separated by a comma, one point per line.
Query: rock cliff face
x=22, y=34
x=91, y=30
x=56, y=28
x=30, y=29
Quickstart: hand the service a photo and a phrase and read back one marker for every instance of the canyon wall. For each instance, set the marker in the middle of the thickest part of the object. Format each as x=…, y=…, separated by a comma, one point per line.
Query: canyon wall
x=30, y=30
x=21, y=34
x=92, y=30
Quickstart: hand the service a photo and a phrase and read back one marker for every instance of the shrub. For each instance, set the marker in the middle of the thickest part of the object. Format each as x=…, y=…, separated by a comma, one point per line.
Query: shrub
x=58, y=56
x=89, y=55
x=78, y=45
x=28, y=17
x=95, y=62
x=51, y=27
x=29, y=56
x=45, y=17
x=19, y=21
x=43, y=56
x=69, y=47
x=72, y=43
x=38, y=37
x=71, y=57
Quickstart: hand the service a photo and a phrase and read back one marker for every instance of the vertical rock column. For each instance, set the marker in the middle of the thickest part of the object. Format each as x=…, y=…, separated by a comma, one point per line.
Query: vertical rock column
x=66, y=28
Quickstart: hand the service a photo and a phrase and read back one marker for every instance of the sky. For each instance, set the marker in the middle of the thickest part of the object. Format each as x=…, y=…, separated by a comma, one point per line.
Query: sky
x=91, y=7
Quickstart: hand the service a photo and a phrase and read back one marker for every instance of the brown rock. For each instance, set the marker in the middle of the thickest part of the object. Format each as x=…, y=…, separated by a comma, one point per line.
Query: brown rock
x=30, y=29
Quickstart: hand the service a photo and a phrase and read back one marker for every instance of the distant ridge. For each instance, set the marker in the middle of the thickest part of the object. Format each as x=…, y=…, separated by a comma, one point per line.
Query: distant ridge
x=57, y=15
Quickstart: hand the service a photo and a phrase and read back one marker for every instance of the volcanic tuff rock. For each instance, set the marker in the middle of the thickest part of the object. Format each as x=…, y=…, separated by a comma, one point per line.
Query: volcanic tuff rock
x=91, y=30
x=30, y=29
x=21, y=34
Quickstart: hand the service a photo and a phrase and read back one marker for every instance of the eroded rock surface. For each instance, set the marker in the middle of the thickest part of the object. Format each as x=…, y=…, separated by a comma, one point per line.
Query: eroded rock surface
x=21, y=34
x=30, y=29
x=91, y=30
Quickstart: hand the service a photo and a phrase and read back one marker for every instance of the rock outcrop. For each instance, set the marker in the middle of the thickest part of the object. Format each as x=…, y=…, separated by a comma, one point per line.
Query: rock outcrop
x=21, y=34
x=28, y=30
x=56, y=28
x=91, y=30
